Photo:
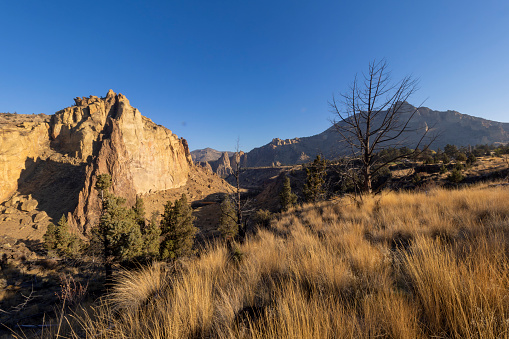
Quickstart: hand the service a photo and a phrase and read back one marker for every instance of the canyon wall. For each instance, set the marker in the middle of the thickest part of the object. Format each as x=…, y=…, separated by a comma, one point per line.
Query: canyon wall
x=95, y=136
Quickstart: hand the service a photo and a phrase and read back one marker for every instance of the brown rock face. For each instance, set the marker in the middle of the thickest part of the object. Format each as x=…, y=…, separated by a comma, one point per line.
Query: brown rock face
x=62, y=155
x=23, y=138
x=225, y=165
x=222, y=166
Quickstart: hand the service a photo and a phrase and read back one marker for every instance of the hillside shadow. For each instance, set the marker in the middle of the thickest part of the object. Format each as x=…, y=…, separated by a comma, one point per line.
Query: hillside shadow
x=55, y=185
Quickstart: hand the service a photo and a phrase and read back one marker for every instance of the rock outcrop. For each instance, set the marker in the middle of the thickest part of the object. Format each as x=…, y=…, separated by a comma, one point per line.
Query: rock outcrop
x=222, y=166
x=95, y=136
x=207, y=154
x=226, y=165
x=23, y=139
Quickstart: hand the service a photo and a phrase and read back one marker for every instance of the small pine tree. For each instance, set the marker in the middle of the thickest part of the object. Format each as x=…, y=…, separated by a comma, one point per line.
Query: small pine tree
x=455, y=176
x=451, y=150
x=471, y=159
x=151, y=234
x=416, y=179
x=287, y=198
x=445, y=159
x=461, y=157
x=228, y=222
x=139, y=212
x=177, y=230
x=118, y=234
x=59, y=239
x=315, y=178
x=50, y=238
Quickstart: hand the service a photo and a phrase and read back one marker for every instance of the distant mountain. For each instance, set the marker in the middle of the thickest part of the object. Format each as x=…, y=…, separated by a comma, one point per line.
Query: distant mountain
x=207, y=154
x=451, y=127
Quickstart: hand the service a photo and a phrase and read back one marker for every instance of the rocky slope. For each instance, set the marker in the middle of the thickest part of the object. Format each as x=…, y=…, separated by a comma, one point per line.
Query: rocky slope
x=450, y=127
x=55, y=159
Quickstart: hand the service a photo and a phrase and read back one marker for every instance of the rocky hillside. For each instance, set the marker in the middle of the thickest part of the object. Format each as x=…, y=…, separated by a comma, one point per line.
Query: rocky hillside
x=53, y=160
x=450, y=127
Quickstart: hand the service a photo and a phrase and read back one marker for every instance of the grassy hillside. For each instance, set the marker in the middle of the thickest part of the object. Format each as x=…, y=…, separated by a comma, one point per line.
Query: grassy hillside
x=398, y=265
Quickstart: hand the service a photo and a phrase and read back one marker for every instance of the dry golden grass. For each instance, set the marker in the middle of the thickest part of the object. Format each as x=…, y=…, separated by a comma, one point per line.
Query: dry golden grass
x=402, y=265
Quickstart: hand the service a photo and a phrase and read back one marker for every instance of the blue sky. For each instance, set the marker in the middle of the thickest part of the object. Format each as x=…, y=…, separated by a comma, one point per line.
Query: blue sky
x=212, y=71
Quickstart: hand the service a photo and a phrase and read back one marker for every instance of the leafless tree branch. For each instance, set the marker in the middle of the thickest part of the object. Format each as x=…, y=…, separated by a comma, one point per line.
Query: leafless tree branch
x=371, y=116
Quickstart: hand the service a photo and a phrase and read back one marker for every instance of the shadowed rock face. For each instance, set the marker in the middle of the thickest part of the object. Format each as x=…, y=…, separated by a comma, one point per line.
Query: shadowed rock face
x=95, y=136
x=450, y=127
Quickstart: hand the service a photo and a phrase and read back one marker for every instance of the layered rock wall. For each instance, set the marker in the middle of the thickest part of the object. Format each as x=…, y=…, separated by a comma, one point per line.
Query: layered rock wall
x=23, y=139
x=105, y=135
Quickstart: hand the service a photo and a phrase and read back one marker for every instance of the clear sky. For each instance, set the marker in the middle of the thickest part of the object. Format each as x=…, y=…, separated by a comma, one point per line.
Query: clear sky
x=212, y=71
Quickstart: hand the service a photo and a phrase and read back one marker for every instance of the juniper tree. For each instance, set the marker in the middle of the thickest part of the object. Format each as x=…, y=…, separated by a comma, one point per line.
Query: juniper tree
x=118, y=234
x=287, y=198
x=177, y=229
x=59, y=239
x=151, y=234
x=50, y=238
x=139, y=212
x=228, y=222
x=315, y=179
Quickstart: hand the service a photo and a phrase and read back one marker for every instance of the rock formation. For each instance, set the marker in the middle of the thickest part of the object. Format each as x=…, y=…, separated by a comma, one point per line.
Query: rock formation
x=22, y=137
x=61, y=156
x=226, y=164
x=222, y=166
x=207, y=154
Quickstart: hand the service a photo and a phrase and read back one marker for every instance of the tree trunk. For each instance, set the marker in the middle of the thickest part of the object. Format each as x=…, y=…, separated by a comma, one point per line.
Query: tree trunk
x=367, y=180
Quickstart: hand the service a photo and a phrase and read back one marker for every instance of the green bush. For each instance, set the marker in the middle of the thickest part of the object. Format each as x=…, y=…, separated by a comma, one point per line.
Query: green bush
x=461, y=157
x=455, y=176
x=263, y=217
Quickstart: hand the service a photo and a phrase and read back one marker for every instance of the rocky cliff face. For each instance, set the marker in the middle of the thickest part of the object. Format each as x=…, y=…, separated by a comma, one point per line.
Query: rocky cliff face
x=226, y=165
x=23, y=138
x=95, y=136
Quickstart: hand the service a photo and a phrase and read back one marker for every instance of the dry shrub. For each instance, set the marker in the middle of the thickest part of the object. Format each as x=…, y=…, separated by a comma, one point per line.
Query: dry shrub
x=402, y=265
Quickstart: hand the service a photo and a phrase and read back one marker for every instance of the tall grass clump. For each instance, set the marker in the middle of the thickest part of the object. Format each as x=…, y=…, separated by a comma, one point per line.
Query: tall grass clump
x=399, y=265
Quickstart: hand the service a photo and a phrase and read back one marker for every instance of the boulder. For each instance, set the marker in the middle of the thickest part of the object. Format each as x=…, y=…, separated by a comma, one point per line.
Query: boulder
x=10, y=210
x=40, y=216
x=25, y=220
x=29, y=205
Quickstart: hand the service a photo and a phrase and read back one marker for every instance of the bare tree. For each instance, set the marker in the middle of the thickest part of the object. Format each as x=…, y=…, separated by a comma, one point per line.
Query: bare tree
x=242, y=206
x=370, y=117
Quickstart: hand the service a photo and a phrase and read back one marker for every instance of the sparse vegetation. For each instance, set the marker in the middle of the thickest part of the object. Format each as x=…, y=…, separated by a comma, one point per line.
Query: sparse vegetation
x=403, y=265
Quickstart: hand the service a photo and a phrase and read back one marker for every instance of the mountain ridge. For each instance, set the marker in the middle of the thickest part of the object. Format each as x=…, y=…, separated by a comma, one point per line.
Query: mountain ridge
x=451, y=127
